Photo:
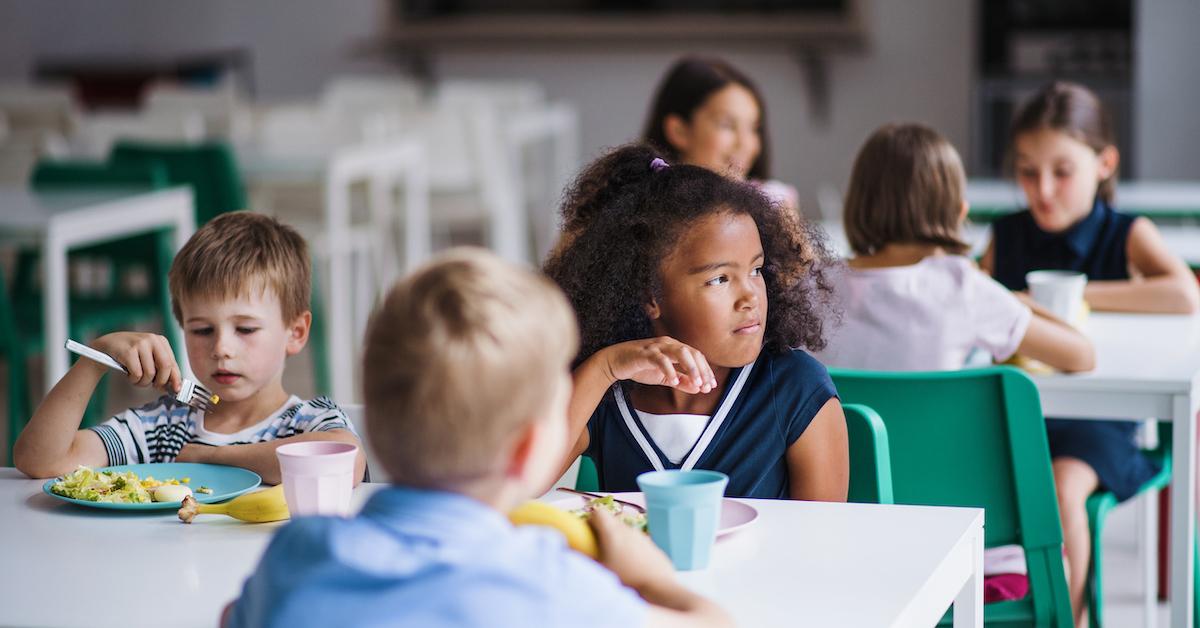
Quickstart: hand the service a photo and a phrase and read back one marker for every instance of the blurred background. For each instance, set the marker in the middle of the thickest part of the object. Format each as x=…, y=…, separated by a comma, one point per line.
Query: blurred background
x=473, y=115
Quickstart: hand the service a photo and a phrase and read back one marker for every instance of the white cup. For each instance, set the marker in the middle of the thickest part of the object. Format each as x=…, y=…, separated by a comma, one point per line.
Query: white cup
x=1059, y=291
x=318, y=476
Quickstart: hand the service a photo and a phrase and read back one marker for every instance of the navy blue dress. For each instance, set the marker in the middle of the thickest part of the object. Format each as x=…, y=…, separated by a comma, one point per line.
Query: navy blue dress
x=764, y=408
x=1096, y=246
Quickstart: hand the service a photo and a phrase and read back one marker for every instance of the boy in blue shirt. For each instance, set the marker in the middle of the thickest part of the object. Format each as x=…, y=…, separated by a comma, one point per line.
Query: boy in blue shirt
x=466, y=384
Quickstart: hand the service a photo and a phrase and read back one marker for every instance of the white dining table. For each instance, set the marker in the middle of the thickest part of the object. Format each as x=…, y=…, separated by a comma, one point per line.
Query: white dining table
x=799, y=563
x=62, y=221
x=1156, y=199
x=1182, y=240
x=1147, y=367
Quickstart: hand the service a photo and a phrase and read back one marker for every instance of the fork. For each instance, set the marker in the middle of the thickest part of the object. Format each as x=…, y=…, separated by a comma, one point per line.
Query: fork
x=637, y=507
x=190, y=391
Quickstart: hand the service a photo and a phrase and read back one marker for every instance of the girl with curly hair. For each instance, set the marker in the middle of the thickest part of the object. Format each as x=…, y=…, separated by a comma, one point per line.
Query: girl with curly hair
x=693, y=294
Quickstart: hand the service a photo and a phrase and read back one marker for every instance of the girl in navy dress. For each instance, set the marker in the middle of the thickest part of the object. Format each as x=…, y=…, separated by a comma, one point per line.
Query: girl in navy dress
x=1066, y=163
x=692, y=291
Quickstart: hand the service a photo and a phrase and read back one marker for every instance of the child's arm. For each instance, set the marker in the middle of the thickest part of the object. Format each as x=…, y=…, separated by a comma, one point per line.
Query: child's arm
x=260, y=457
x=641, y=566
x=819, y=461
x=52, y=443
x=1162, y=284
x=1049, y=339
x=661, y=361
x=988, y=261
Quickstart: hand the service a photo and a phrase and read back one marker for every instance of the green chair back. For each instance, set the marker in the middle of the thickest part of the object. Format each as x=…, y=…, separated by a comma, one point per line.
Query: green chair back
x=65, y=175
x=870, y=460
x=976, y=438
x=209, y=168
x=588, y=479
x=1100, y=504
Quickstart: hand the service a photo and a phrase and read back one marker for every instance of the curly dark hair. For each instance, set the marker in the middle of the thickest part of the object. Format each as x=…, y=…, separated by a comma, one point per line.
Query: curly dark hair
x=620, y=221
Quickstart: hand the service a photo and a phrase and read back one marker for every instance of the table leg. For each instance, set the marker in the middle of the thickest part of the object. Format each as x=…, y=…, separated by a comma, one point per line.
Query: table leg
x=338, y=292
x=1183, y=509
x=418, y=233
x=968, y=605
x=54, y=305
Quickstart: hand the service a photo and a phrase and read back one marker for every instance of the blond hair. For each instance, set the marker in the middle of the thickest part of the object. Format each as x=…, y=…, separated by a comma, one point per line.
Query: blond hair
x=907, y=186
x=239, y=252
x=461, y=355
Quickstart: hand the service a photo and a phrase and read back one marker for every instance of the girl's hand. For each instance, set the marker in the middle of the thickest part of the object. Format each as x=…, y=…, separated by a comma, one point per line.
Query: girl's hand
x=147, y=357
x=661, y=361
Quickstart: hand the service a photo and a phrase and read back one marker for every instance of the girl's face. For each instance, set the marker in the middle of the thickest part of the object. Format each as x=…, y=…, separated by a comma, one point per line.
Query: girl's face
x=723, y=134
x=1060, y=175
x=714, y=297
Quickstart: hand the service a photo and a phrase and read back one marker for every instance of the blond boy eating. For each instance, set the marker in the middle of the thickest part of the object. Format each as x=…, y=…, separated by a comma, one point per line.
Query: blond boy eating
x=240, y=288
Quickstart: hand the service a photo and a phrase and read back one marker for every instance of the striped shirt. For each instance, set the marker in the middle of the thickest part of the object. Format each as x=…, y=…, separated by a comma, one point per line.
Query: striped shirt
x=157, y=431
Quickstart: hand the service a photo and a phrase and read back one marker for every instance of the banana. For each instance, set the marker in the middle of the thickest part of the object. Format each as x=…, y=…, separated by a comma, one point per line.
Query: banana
x=259, y=507
x=578, y=533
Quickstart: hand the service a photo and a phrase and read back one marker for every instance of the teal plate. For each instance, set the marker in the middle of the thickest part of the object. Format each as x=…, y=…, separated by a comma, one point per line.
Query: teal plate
x=226, y=482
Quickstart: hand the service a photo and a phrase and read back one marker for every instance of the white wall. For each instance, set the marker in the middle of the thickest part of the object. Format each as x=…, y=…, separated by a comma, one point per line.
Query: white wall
x=1167, y=71
x=917, y=66
x=295, y=44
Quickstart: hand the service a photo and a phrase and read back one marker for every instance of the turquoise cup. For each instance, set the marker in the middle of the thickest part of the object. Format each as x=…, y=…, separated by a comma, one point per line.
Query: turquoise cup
x=683, y=511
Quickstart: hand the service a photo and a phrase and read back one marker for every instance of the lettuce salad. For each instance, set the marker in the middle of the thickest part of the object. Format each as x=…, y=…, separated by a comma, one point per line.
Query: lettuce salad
x=630, y=517
x=126, y=487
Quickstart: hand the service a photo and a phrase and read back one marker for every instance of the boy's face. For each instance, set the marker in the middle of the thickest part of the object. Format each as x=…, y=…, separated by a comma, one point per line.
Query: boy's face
x=237, y=346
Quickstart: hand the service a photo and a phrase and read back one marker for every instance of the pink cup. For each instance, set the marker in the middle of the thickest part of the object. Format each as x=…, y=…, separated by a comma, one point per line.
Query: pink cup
x=318, y=477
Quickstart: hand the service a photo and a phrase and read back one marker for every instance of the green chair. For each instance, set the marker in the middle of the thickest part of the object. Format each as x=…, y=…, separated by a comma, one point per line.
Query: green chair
x=1100, y=503
x=20, y=333
x=588, y=479
x=209, y=168
x=870, y=463
x=15, y=349
x=976, y=438
x=870, y=460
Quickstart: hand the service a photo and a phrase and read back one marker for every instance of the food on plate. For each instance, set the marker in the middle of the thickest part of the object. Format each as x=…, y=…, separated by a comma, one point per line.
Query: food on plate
x=170, y=493
x=624, y=514
x=118, y=487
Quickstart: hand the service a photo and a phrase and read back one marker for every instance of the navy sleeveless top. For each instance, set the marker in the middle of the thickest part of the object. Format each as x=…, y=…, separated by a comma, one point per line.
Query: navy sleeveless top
x=763, y=409
x=1095, y=246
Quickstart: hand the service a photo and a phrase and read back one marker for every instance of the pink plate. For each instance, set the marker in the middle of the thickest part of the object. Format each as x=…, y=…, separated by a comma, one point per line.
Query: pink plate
x=735, y=515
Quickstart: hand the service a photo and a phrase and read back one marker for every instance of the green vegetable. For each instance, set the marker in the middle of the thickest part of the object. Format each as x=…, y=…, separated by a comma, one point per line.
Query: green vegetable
x=107, y=486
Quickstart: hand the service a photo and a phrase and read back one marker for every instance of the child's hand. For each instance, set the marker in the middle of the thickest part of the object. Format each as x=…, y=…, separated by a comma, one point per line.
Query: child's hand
x=630, y=554
x=147, y=357
x=661, y=361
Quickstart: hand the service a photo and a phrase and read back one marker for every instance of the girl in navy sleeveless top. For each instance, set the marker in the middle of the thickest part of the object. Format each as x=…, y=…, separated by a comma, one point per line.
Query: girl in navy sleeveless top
x=1066, y=163
x=692, y=291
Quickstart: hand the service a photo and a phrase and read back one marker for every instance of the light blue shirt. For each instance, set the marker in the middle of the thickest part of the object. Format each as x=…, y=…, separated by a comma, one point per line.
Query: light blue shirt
x=430, y=559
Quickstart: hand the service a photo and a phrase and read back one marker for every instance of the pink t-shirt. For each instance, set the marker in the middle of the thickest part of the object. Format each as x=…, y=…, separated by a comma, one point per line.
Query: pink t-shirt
x=925, y=317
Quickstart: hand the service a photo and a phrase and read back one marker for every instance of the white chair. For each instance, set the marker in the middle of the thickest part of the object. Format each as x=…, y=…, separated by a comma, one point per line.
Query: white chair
x=38, y=107
x=357, y=415
x=352, y=97
x=359, y=252
x=96, y=133
x=220, y=107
